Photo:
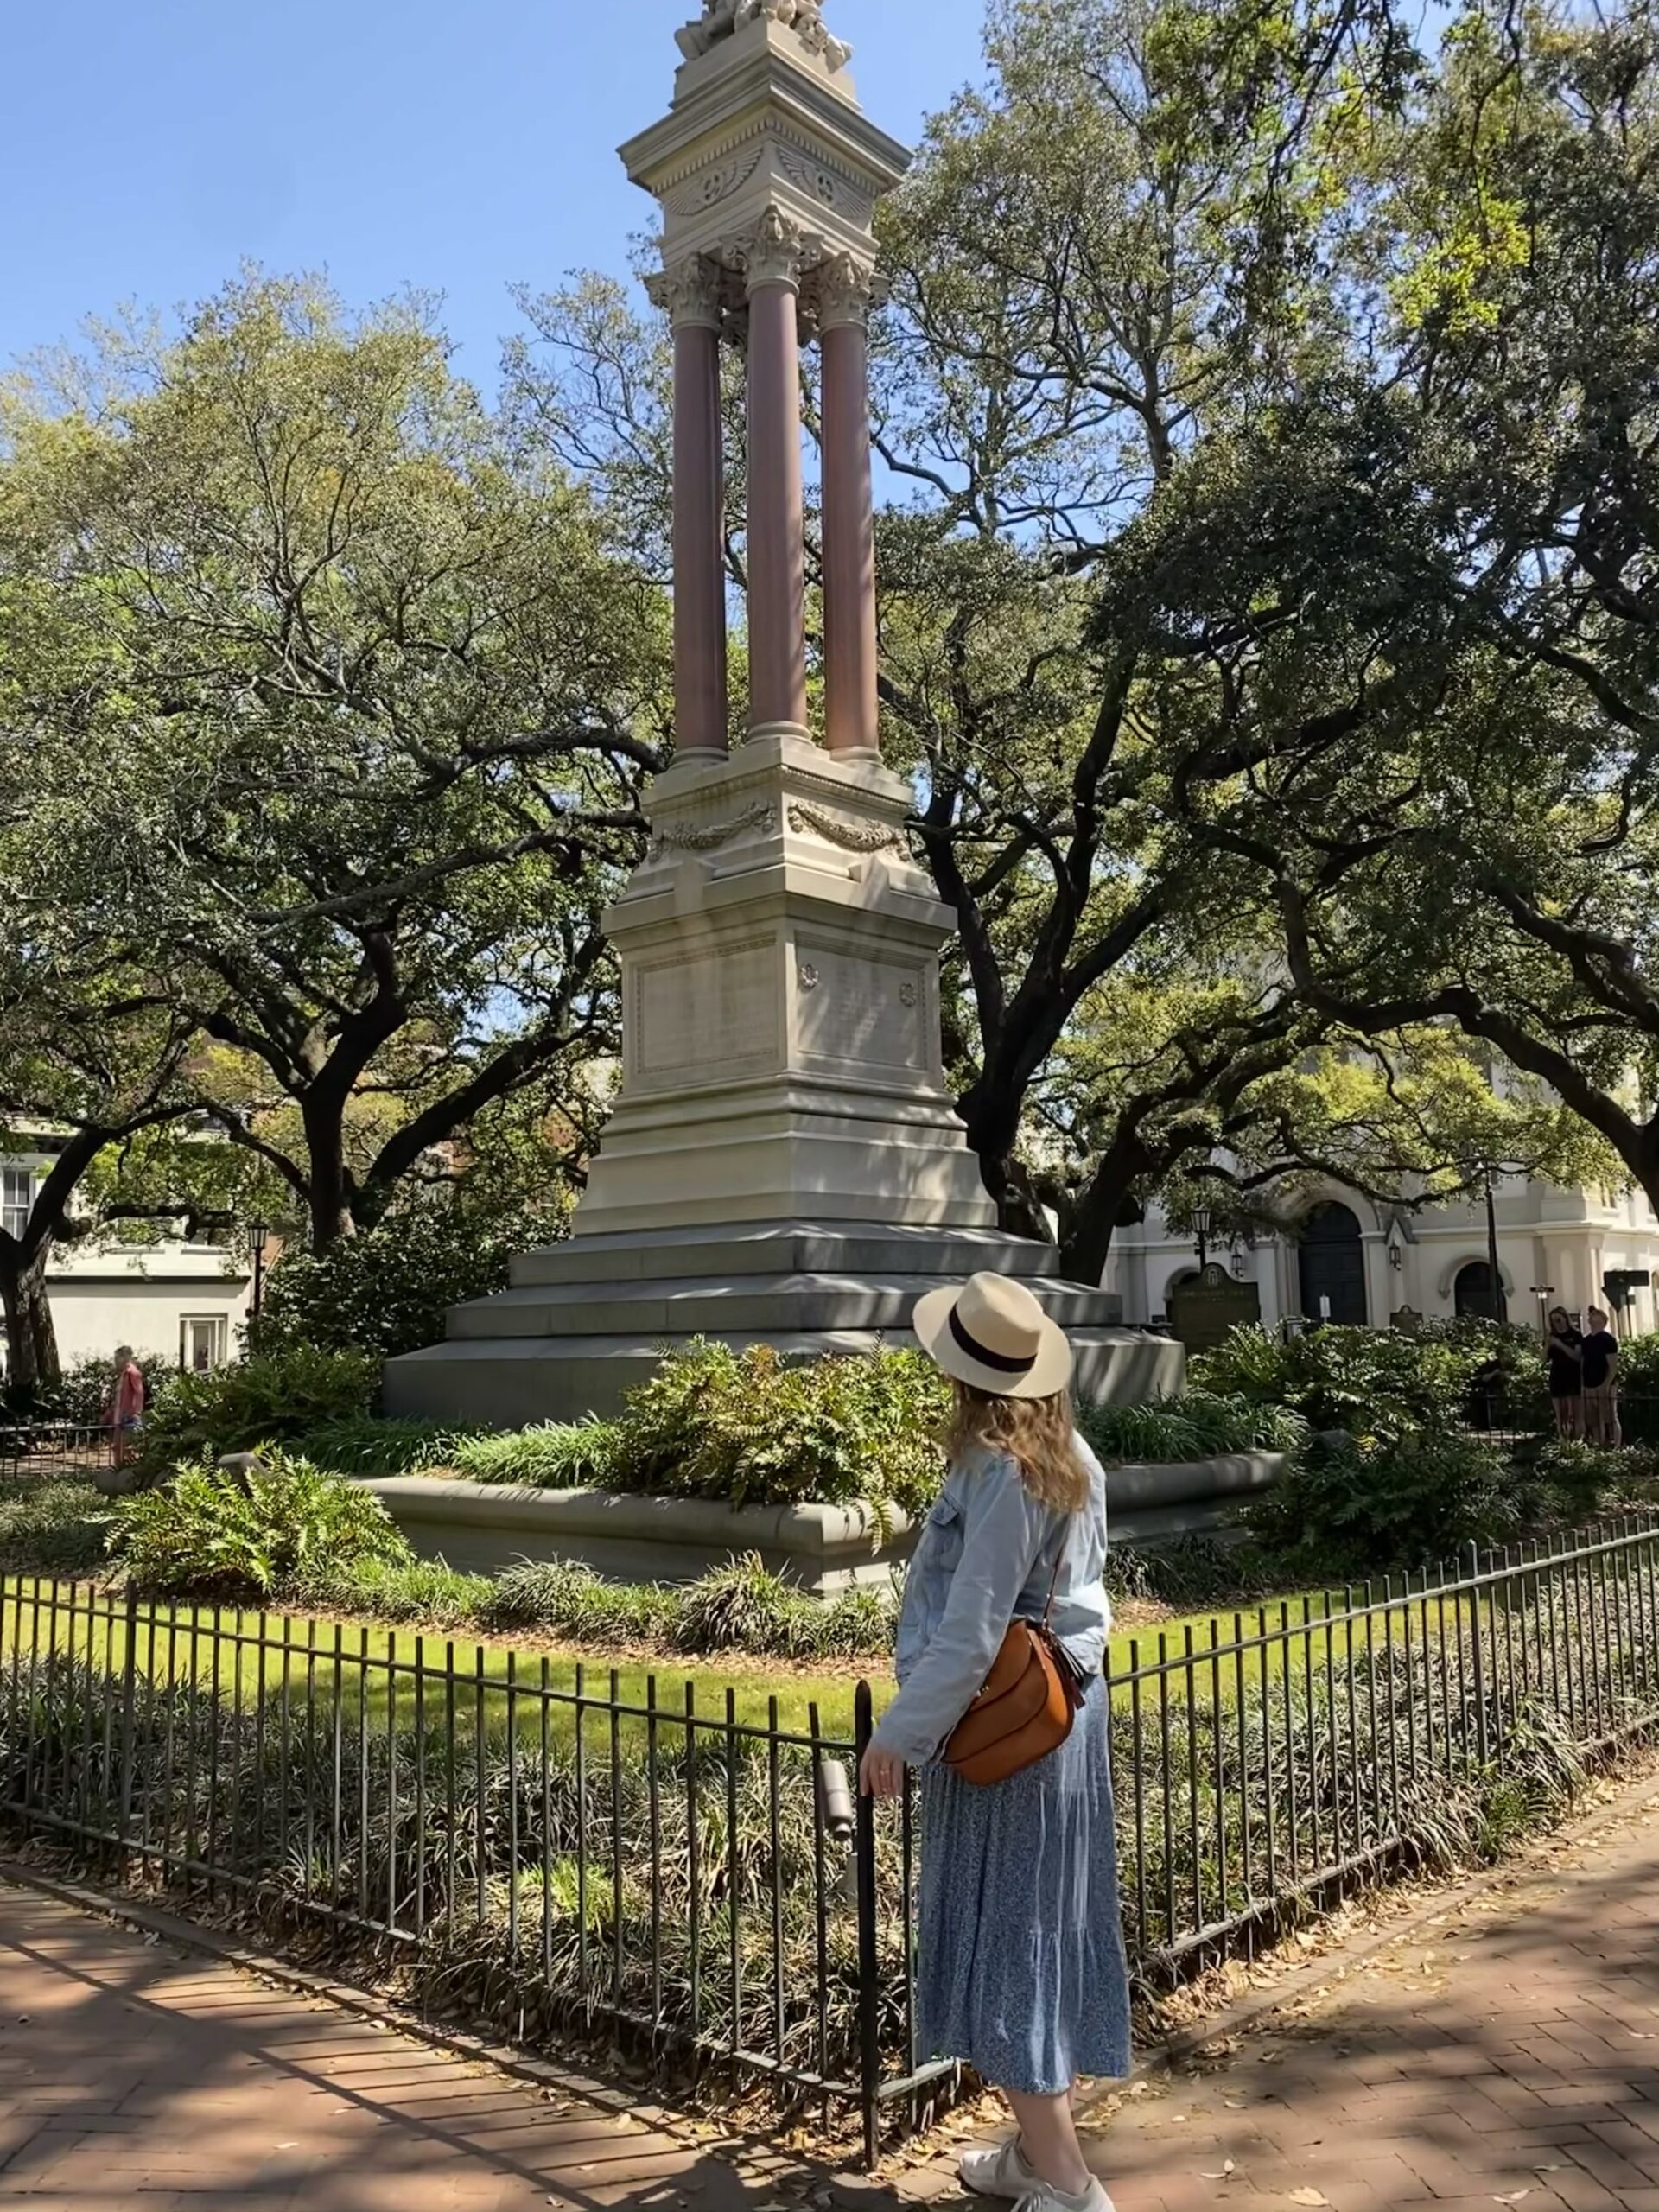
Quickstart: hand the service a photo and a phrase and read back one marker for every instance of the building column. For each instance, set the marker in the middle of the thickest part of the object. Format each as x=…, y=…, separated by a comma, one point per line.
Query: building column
x=852, y=726
x=772, y=257
x=690, y=293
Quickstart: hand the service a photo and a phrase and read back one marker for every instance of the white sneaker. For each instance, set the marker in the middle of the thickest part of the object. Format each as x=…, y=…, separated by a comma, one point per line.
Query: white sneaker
x=1000, y=2172
x=1044, y=2198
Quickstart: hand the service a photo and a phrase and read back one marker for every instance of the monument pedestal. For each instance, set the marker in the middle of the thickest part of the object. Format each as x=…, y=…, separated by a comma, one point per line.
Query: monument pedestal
x=785, y=1165
x=779, y=953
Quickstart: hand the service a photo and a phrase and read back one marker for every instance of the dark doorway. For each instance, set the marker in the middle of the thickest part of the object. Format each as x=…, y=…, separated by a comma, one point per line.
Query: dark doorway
x=1333, y=1266
x=1473, y=1294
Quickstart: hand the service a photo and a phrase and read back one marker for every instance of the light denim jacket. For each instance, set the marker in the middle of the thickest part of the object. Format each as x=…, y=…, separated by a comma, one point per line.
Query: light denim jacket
x=984, y=1558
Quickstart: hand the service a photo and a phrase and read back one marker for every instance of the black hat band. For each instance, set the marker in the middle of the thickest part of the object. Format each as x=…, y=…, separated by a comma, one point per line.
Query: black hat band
x=997, y=1362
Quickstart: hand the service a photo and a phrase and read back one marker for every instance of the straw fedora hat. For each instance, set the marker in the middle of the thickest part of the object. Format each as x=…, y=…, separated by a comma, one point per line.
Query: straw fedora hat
x=993, y=1335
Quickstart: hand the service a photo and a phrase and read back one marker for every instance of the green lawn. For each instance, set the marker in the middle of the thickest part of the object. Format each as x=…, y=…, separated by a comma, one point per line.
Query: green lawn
x=322, y=1661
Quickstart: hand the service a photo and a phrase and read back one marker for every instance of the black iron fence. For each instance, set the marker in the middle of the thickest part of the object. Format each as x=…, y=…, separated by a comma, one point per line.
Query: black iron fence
x=53, y=1448
x=1522, y=1422
x=565, y=1853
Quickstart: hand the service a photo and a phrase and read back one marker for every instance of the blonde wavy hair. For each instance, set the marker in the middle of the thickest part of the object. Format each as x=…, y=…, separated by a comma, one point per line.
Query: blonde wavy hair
x=1038, y=1435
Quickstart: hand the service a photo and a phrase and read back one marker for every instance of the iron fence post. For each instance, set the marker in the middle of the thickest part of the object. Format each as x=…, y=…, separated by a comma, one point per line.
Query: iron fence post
x=129, y=1709
x=1477, y=1650
x=869, y=1962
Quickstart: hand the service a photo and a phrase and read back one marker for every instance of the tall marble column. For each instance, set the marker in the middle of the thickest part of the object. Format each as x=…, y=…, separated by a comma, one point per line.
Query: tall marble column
x=846, y=292
x=773, y=257
x=690, y=292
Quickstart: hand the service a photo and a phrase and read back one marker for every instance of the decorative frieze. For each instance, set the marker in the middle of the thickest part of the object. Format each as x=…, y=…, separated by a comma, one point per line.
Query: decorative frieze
x=709, y=836
x=851, y=836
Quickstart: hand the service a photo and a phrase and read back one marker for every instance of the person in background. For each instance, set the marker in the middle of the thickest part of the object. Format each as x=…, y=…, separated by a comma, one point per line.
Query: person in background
x=1564, y=1349
x=124, y=1411
x=1021, y=1944
x=1600, y=1356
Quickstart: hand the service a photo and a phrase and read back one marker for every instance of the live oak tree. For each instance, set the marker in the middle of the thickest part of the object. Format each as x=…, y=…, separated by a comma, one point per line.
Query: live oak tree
x=1483, y=467
x=340, y=711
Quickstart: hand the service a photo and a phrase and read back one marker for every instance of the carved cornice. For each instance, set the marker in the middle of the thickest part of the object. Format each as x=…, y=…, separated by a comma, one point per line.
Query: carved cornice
x=692, y=293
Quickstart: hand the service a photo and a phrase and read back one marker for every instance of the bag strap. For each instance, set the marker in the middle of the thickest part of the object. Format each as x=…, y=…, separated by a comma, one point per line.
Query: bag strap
x=1054, y=1579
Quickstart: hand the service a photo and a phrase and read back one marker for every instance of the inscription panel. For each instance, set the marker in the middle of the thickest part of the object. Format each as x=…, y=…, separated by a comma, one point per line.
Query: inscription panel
x=862, y=1014
x=706, y=1014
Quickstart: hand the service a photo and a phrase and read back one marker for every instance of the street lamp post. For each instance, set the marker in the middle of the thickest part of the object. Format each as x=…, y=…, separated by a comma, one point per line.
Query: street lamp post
x=1204, y=1222
x=258, y=1236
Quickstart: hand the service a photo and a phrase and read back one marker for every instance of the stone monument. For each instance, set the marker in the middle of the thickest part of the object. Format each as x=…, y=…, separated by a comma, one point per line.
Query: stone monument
x=785, y=1163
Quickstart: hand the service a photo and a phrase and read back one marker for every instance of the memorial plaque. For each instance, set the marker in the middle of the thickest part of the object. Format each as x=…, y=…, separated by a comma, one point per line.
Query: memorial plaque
x=1205, y=1311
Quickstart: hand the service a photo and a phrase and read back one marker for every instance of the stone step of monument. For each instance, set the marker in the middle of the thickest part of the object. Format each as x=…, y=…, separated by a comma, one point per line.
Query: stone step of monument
x=712, y=1306
x=514, y=1381
x=788, y=1249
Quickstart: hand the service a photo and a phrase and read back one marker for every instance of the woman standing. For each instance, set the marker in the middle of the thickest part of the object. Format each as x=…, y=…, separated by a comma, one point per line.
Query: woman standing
x=123, y=1410
x=1564, y=1349
x=1022, y=1970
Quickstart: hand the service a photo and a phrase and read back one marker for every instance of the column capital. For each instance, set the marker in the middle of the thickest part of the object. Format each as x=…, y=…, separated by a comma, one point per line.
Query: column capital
x=776, y=252
x=690, y=292
x=846, y=288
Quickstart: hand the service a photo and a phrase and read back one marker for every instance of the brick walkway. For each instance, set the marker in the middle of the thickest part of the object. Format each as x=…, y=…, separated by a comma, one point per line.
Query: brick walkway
x=1509, y=2055
x=133, y=2075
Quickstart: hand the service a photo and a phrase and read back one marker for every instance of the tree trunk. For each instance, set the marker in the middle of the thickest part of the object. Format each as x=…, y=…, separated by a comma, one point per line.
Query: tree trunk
x=323, y=1116
x=31, y=1340
x=991, y=1115
x=1104, y=1204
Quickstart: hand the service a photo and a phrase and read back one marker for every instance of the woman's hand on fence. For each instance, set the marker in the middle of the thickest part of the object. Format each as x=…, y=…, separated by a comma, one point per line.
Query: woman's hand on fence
x=881, y=1774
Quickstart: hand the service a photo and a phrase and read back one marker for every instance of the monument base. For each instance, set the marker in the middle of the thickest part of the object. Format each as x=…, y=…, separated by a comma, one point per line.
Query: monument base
x=581, y=1322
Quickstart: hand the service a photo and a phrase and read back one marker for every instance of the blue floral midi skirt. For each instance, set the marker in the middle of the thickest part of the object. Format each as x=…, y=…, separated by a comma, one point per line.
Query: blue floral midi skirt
x=1020, y=1965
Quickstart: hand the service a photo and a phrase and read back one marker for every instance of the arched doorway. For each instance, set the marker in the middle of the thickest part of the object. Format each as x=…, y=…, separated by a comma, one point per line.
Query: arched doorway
x=1333, y=1266
x=1473, y=1295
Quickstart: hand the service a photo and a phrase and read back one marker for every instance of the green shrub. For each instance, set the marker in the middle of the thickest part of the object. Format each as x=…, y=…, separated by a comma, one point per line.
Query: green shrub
x=563, y=1597
x=1200, y=1426
x=752, y=1428
x=1352, y=1507
x=360, y=1444
x=421, y=1592
x=232, y=1536
x=49, y=1527
x=1374, y=1384
x=273, y=1399
x=79, y=1394
x=389, y=1289
x=560, y=1455
x=742, y=1606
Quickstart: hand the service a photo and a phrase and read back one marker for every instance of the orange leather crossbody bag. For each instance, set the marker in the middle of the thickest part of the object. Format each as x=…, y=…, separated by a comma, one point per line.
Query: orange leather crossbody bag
x=1025, y=1710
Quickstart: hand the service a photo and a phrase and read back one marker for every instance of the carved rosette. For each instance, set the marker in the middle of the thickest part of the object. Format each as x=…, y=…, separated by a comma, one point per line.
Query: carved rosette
x=776, y=252
x=845, y=290
x=692, y=293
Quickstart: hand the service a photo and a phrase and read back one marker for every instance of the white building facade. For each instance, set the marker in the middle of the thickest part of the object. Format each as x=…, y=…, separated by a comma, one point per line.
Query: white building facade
x=1353, y=1261
x=182, y=1301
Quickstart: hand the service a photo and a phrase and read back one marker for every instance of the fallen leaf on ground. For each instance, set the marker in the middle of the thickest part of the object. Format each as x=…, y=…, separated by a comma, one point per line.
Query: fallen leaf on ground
x=1230, y=2168
x=1308, y=2196
x=1515, y=2199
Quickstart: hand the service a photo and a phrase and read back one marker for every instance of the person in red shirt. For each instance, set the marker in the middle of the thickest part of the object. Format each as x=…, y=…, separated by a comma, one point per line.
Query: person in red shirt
x=124, y=1411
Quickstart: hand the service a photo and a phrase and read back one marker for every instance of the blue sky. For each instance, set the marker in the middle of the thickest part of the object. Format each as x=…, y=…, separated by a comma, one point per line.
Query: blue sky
x=459, y=145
